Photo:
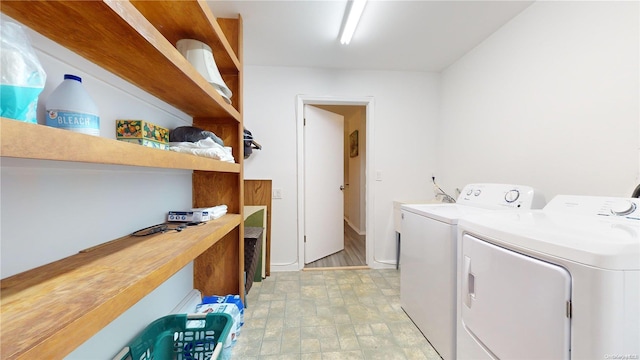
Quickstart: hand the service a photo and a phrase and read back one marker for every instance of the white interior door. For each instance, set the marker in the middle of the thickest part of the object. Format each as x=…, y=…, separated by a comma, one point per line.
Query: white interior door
x=323, y=179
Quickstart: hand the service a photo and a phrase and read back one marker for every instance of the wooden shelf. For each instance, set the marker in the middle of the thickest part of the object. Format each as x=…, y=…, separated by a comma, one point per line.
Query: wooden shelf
x=115, y=35
x=32, y=141
x=48, y=311
x=200, y=25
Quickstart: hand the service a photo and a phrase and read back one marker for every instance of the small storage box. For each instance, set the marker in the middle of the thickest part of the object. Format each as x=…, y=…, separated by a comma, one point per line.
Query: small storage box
x=143, y=133
x=180, y=337
x=147, y=143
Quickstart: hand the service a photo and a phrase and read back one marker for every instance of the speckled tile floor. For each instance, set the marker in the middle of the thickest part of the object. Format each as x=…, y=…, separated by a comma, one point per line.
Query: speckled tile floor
x=329, y=314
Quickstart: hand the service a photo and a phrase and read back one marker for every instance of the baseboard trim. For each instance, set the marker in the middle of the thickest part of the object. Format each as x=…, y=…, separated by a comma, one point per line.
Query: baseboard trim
x=360, y=267
x=285, y=267
x=354, y=228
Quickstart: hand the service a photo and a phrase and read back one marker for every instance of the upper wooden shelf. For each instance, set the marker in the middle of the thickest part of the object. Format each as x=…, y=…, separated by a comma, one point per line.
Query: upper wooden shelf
x=32, y=141
x=48, y=311
x=117, y=36
x=200, y=24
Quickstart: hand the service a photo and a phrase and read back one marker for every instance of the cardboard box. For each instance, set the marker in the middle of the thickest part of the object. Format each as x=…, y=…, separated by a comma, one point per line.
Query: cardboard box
x=143, y=133
x=188, y=216
x=147, y=143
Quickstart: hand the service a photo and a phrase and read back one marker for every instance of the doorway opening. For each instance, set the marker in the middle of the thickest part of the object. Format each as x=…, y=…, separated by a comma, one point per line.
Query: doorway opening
x=356, y=210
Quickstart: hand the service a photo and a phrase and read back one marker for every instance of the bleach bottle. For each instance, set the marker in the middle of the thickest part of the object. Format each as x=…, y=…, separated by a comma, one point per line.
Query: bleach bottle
x=70, y=107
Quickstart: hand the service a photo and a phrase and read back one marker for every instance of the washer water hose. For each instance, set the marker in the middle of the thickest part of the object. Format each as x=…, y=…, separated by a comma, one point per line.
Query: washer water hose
x=439, y=192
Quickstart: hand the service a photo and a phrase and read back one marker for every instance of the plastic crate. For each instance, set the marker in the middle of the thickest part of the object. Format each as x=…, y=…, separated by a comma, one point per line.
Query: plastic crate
x=252, y=253
x=180, y=337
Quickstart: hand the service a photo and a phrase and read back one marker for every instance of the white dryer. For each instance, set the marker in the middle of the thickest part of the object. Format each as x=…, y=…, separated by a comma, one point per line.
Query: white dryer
x=557, y=283
x=428, y=255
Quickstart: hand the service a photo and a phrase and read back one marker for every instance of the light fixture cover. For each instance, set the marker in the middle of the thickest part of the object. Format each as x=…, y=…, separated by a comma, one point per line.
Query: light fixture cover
x=353, y=17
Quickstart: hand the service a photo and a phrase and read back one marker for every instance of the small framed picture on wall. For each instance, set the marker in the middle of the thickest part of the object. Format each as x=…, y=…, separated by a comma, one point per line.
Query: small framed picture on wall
x=353, y=144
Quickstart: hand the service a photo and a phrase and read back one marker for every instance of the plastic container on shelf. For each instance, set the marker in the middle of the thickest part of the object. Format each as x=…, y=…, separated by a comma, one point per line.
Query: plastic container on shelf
x=22, y=77
x=180, y=337
x=71, y=107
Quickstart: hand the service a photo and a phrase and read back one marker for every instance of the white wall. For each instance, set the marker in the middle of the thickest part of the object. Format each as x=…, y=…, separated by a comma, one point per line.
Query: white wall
x=550, y=100
x=406, y=107
x=51, y=210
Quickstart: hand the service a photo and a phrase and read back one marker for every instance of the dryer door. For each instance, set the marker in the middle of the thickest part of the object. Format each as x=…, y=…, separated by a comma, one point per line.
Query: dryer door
x=514, y=306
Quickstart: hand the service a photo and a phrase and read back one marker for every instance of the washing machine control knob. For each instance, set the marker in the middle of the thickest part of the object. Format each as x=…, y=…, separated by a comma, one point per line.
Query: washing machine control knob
x=623, y=207
x=511, y=195
x=477, y=192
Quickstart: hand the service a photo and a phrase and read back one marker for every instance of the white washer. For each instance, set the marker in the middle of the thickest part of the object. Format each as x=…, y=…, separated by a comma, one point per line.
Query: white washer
x=428, y=255
x=557, y=283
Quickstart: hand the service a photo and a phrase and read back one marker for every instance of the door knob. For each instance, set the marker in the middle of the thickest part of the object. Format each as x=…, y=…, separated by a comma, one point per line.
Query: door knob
x=341, y=187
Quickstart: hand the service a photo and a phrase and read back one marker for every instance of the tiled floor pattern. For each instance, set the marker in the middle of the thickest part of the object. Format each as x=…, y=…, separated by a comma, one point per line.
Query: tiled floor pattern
x=329, y=314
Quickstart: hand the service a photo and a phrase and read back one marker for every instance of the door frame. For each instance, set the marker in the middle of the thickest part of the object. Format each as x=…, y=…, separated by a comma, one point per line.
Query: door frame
x=368, y=102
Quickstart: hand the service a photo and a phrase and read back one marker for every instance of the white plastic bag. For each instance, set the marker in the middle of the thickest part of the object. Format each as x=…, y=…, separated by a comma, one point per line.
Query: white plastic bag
x=22, y=77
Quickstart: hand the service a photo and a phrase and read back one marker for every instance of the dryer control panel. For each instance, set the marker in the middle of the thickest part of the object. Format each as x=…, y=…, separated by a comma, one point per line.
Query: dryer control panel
x=501, y=196
x=624, y=208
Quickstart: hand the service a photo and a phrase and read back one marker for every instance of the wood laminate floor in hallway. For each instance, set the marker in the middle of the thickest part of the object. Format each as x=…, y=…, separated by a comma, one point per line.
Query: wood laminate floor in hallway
x=352, y=255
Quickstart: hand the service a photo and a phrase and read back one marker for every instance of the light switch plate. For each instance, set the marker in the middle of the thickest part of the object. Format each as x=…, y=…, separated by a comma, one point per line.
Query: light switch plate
x=276, y=194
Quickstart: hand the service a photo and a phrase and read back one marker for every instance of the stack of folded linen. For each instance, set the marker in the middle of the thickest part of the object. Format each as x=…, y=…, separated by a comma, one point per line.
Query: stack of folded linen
x=205, y=147
x=214, y=212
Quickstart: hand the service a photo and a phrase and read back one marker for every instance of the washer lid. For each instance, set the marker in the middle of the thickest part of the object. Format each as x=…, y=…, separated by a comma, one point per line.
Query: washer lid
x=598, y=241
x=446, y=213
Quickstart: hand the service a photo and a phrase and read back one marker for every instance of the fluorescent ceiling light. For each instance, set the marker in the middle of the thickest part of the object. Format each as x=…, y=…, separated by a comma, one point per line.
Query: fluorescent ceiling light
x=353, y=17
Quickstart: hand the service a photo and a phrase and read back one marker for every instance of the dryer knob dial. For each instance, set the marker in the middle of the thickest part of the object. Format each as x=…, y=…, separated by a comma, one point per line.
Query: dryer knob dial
x=477, y=192
x=623, y=207
x=511, y=195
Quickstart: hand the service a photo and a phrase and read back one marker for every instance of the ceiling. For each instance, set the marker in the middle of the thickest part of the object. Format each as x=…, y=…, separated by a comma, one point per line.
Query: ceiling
x=418, y=35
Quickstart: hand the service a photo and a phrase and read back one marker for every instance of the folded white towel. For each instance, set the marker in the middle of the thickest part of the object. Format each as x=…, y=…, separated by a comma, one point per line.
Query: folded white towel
x=205, y=147
x=215, y=212
x=211, y=209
